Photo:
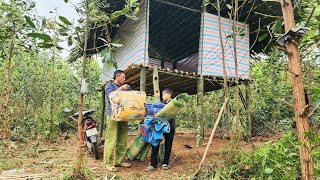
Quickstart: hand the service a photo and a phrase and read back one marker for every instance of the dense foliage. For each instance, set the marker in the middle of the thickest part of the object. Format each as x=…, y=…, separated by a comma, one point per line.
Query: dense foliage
x=274, y=160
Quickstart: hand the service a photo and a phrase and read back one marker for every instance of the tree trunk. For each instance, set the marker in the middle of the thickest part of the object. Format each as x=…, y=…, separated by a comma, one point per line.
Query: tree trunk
x=225, y=83
x=52, y=95
x=77, y=171
x=103, y=110
x=53, y=79
x=299, y=103
x=6, y=106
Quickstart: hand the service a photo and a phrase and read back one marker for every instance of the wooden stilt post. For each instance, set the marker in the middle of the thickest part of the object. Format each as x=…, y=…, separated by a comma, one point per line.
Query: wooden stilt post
x=156, y=88
x=143, y=79
x=200, y=126
x=156, y=93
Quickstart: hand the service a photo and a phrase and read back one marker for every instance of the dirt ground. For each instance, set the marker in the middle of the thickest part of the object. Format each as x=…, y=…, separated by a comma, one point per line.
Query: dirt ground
x=26, y=161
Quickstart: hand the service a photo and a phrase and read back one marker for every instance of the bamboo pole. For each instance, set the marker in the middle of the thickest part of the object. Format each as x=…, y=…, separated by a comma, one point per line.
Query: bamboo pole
x=156, y=88
x=143, y=79
x=211, y=137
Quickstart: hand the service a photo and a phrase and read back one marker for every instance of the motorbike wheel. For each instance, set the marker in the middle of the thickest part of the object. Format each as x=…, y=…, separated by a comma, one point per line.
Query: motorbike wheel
x=94, y=149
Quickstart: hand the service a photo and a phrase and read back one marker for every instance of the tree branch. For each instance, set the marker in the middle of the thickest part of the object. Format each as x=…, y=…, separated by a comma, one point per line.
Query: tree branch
x=311, y=113
x=287, y=103
x=266, y=15
x=306, y=24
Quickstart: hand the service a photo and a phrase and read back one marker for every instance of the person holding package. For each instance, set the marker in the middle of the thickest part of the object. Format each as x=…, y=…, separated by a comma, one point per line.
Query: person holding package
x=166, y=97
x=116, y=137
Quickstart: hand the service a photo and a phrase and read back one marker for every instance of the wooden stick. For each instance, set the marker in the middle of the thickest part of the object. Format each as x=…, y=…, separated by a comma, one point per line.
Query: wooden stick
x=284, y=102
x=73, y=118
x=310, y=114
x=174, y=158
x=310, y=15
x=211, y=136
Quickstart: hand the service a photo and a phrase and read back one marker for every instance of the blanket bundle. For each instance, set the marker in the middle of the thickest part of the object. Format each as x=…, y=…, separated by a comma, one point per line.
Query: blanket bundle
x=152, y=129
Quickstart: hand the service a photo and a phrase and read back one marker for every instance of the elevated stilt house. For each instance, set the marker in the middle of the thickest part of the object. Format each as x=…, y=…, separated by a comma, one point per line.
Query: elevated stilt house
x=183, y=44
x=176, y=44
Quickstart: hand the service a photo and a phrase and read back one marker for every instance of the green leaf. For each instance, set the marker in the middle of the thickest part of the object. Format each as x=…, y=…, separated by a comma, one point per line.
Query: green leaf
x=65, y=20
x=228, y=6
x=29, y=21
x=116, y=45
x=45, y=45
x=268, y=170
x=79, y=29
x=63, y=31
x=131, y=2
x=261, y=38
x=70, y=42
x=66, y=1
x=311, y=34
x=136, y=10
x=276, y=27
x=44, y=37
x=32, y=5
x=257, y=30
x=59, y=48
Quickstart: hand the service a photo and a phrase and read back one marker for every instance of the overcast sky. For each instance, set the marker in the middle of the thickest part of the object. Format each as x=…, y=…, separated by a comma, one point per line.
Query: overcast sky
x=63, y=9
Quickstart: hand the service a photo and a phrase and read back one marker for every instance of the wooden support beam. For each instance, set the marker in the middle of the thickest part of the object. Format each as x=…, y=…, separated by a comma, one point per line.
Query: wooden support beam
x=156, y=89
x=200, y=124
x=133, y=77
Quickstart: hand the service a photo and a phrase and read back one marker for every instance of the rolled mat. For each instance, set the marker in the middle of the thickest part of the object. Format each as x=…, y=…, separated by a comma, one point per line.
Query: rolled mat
x=168, y=112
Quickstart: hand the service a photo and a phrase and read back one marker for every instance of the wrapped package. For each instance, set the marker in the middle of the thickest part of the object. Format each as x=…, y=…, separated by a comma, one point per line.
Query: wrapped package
x=127, y=105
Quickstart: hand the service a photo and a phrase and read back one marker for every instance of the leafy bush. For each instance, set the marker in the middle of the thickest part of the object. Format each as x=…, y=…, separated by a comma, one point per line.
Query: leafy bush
x=274, y=160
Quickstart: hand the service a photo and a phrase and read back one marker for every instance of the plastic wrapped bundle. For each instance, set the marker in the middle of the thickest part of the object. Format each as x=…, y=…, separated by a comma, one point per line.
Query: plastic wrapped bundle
x=137, y=146
x=127, y=105
x=171, y=109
